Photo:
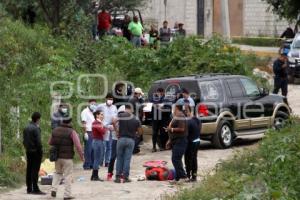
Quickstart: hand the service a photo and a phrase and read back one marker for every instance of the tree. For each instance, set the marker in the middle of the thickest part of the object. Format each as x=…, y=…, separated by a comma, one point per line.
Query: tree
x=58, y=12
x=287, y=9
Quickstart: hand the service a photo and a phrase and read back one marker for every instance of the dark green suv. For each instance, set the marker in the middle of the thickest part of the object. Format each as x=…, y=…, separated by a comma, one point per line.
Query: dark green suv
x=228, y=105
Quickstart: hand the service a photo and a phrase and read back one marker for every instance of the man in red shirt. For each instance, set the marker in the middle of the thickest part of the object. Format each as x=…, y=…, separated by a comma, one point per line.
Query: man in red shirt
x=104, y=22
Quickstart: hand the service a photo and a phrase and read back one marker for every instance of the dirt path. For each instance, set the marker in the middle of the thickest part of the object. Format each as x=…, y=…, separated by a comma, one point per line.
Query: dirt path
x=145, y=190
x=208, y=158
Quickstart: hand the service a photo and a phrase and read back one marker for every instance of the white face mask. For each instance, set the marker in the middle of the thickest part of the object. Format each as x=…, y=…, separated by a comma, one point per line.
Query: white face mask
x=109, y=102
x=93, y=107
x=64, y=110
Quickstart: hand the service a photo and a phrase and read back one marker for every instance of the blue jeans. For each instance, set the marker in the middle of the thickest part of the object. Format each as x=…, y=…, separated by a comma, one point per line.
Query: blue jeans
x=124, y=153
x=136, y=41
x=113, y=156
x=98, y=148
x=108, y=145
x=88, y=152
x=178, y=150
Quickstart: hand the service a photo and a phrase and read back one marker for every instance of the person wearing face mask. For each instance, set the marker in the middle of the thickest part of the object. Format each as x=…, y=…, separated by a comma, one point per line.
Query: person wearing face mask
x=98, y=130
x=57, y=117
x=110, y=113
x=87, y=118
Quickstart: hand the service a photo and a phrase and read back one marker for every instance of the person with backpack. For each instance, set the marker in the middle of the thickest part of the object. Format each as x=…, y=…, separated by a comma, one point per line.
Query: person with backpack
x=64, y=138
x=165, y=34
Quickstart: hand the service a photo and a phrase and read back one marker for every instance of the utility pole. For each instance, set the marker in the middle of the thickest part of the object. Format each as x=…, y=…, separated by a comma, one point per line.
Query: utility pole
x=165, y=3
x=225, y=18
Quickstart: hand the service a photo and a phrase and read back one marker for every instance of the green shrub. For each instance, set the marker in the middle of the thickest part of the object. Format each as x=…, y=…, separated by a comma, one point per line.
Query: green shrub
x=270, y=172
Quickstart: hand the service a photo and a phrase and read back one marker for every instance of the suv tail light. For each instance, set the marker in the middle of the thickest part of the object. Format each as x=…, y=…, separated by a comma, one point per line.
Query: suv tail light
x=203, y=110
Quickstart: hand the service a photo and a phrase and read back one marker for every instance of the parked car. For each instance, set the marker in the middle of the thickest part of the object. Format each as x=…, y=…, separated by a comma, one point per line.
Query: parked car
x=228, y=105
x=294, y=60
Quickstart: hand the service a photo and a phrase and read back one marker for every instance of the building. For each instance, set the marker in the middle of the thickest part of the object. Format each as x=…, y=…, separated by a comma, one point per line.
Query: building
x=204, y=17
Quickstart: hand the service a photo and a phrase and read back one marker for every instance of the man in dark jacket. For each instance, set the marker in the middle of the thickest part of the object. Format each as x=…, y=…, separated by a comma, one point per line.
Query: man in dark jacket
x=34, y=153
x=64, y=137
x=57, y=117
x=281, y=76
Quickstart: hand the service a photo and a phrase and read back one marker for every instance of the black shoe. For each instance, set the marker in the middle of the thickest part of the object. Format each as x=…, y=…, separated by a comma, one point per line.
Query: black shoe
x=127, y=180
x=29, y=191
x=53, y=194
x=38, y=192
x=117, y=180
x=67, y=198
x=154, y=150
x=97, y=179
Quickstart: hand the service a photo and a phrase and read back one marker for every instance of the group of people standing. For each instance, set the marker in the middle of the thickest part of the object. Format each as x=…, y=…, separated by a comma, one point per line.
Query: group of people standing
x=181, y=132
x=112, y=132
x=133, y=29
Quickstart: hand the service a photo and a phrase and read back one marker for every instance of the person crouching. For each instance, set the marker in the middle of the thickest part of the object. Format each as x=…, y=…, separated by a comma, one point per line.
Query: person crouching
x=98, y=131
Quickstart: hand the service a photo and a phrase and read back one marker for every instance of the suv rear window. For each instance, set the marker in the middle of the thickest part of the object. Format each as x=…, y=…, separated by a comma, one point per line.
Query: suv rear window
x=172, y=86
x=211, y=91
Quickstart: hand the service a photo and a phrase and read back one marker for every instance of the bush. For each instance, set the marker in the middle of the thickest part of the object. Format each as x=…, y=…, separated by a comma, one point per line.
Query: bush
x=270, y=172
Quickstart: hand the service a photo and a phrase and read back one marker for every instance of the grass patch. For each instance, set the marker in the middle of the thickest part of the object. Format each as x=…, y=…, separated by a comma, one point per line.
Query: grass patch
x=257, y=41
x=7, y=178
x=270, y=172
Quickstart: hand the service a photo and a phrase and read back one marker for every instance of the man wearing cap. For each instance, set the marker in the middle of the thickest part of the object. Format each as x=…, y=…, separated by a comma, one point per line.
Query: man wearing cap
x=186, y=98
x=281, y=76
x=181, y=32
x=110, y=113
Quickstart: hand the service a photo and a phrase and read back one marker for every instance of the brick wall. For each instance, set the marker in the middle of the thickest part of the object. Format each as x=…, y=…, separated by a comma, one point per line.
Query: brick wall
x=259, y=22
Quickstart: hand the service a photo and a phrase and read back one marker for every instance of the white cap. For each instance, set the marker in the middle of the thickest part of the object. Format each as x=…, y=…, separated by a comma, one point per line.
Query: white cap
x=139, y=91
x=121, y=109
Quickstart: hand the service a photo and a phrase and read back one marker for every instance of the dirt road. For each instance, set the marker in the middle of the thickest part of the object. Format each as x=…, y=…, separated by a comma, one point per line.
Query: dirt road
x=146, y=190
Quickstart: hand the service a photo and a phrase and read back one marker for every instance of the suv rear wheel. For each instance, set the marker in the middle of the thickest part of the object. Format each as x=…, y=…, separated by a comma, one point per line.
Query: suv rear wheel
x=223, y=138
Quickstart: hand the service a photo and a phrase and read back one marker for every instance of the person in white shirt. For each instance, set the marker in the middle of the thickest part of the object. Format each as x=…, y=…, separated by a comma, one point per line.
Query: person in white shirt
x=87, y=118
x=186, y=98
x=110, y=113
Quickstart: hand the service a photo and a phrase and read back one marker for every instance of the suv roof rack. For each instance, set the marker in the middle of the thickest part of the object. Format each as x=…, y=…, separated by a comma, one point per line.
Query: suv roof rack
x=212, y=74
x=199, y=75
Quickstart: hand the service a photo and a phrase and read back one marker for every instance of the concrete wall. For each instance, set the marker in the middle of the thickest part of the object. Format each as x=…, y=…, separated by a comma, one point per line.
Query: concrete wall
x=259, y=22
x=253, y=18
x=184, y=11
